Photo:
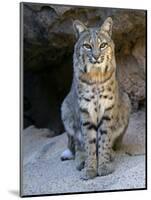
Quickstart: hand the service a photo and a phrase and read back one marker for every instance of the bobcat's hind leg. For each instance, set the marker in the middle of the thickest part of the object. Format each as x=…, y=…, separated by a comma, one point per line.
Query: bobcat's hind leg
x=79, y=157
x=69, y=153
x=118, y=142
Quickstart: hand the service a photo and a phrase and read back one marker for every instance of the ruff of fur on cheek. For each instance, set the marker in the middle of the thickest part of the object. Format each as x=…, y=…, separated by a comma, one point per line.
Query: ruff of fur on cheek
x=96, y=76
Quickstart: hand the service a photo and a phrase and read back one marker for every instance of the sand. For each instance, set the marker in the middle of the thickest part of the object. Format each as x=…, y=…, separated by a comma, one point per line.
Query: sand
x=45, y=173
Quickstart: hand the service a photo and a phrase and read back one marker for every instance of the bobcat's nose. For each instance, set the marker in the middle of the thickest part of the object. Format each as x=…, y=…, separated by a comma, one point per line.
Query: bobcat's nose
x=96, y=56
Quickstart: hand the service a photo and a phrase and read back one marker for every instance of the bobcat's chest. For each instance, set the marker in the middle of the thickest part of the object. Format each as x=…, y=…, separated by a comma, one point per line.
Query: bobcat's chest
x=96, y=99
x=98, y=104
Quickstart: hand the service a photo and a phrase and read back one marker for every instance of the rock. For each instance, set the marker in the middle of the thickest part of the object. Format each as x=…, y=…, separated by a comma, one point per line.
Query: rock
x=48, y=48
x=139, y=53
x=132, y=80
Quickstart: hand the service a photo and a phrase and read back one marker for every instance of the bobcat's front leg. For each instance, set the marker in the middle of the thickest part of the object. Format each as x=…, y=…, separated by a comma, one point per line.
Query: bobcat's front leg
x=89, y=133
x=105, y=152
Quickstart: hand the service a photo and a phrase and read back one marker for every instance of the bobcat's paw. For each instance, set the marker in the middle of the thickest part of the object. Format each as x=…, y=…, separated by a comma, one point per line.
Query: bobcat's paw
x=105, y=169
x=88, y=174
x=67, y=155
x=79, y=161
x=80, y=165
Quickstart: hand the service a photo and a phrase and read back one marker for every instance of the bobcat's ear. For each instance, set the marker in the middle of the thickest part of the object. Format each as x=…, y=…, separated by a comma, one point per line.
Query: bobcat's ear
x=107, y=26
x=79, y=27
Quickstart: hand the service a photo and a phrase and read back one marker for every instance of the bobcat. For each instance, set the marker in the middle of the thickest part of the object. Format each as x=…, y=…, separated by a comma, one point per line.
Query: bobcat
x=96, y=111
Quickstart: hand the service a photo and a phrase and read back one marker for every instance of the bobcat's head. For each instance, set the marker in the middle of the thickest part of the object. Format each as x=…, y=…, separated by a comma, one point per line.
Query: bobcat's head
x=95, y=51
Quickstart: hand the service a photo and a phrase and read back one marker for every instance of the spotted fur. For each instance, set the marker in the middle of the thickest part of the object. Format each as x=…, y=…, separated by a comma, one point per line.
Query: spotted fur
x=96, y=111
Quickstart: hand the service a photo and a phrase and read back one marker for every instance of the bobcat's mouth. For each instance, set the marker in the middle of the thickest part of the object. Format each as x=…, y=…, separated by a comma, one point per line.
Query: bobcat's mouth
x=95, y=61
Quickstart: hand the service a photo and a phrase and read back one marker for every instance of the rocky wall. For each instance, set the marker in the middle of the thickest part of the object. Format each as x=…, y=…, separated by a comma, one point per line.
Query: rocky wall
x=48, y=48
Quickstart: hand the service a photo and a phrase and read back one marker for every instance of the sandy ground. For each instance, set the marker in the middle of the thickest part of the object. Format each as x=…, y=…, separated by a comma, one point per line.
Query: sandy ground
x=45, y=173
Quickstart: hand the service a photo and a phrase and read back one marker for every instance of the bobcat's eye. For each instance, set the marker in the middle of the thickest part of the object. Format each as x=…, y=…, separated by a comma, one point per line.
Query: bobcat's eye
x=87, y=46
x=103, y=45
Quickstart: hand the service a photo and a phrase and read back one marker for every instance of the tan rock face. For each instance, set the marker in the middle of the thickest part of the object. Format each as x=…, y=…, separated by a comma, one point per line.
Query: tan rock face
x=48, y=48
x=139, y=53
